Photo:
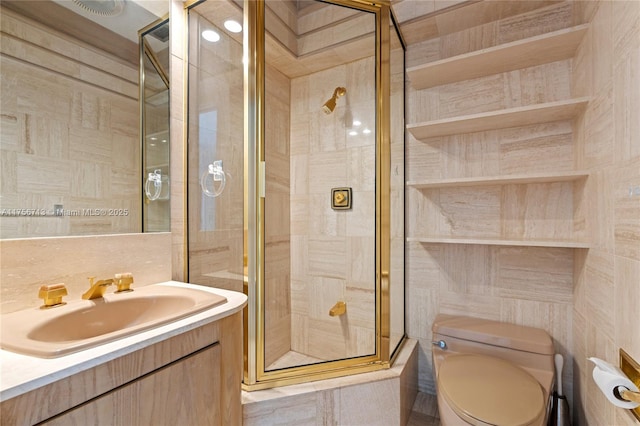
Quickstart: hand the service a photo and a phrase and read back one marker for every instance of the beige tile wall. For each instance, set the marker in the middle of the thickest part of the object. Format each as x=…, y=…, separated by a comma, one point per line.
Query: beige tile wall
x=277, y=207
x=26, y=264
x=607, y=289
x=382, y=397
x=69, y=133
x=333, y=251
x=523, y=285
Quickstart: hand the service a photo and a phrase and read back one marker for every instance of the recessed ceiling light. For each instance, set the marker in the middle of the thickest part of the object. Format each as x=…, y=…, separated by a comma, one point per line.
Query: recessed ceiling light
x=164, y=141
x=366, y=131
x=233, y=26
x=353, y=133
x=210, y=35
x=153, y=138
x=356, y=123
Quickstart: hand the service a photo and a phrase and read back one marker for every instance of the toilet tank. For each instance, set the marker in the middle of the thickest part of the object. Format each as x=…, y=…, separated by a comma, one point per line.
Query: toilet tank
x=494, y=333
x=528, y=347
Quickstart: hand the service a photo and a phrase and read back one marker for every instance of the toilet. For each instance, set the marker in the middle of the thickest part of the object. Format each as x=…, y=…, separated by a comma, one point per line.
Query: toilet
x=491, y=373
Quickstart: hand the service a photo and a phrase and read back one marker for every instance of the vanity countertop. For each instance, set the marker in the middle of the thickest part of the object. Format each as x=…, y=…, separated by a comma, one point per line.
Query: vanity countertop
x=20, y=374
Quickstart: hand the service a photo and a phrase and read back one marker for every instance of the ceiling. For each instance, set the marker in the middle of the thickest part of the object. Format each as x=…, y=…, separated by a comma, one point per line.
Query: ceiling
x=135, y=15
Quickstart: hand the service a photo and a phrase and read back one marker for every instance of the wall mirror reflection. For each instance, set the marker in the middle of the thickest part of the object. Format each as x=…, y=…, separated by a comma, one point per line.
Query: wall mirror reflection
x=70, y=132
x=154, y=124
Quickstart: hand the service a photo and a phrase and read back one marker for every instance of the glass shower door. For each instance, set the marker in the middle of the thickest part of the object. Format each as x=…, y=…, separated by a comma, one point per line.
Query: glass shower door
x=215, y=146
x=320, y=169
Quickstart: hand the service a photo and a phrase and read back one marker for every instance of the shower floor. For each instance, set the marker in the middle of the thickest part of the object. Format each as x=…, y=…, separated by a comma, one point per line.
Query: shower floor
x=293, y=359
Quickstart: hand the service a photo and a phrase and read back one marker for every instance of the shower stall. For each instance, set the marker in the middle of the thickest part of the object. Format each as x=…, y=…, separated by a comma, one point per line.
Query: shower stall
x=296, y=179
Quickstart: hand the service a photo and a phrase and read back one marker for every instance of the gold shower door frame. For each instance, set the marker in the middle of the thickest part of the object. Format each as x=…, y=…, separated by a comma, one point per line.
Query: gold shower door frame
x=255, y=376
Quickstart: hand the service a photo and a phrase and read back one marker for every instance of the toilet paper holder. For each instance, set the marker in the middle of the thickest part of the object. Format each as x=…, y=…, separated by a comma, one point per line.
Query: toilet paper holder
x=631, y=369
x=627, y=395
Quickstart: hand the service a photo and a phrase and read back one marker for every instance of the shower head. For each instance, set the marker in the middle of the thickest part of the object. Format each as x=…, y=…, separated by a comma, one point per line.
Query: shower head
x=330, y=105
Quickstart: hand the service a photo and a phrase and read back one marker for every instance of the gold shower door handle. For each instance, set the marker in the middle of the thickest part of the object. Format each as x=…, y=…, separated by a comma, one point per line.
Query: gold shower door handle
x=338, y=309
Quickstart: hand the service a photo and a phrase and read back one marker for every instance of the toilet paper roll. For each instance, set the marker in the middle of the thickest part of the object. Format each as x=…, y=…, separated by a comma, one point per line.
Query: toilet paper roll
x=608, y=377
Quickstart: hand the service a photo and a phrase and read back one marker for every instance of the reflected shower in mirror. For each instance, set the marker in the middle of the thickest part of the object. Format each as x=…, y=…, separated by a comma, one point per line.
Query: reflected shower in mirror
x=70, y=141
x=154, y=92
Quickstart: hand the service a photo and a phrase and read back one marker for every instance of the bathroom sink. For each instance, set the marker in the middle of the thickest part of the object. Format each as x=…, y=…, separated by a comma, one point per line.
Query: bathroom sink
x=83, y=324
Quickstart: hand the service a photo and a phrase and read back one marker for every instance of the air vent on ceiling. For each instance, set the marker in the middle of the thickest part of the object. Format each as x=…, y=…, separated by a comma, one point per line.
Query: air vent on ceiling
x=101, y=7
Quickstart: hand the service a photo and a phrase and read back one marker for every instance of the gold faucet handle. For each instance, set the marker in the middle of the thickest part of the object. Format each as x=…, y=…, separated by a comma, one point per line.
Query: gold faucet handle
x=52, y=295
x=123, y=282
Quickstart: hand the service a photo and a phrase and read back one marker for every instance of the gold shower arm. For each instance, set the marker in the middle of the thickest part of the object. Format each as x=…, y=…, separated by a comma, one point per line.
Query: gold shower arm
x=338, y=92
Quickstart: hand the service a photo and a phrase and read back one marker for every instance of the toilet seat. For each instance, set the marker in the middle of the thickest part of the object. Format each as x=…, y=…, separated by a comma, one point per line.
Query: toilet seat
x=485, y=390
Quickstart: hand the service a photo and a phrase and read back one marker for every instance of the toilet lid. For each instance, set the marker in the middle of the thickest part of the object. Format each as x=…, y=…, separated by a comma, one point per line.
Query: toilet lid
x=488, y=390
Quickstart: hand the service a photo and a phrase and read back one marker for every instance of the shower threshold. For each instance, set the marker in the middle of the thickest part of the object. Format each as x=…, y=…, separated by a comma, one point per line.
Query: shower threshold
x=293, y=359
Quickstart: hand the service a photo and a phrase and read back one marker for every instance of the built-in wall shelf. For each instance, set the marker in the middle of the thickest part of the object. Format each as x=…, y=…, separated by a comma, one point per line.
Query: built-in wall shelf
x=498, y=180
x=548, y=212
x=501, y=119
x=501, y=242
x=538, y=50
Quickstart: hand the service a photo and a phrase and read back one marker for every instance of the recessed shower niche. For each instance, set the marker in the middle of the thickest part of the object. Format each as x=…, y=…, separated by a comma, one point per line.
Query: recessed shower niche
x=316, y=104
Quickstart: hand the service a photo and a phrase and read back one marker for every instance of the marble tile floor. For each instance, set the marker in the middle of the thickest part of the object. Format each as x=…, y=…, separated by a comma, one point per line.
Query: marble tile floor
x=424, y=411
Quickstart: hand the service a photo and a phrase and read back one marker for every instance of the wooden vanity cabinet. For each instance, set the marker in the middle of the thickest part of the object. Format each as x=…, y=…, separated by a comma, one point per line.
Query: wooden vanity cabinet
x=192, y=379
x=181, y=393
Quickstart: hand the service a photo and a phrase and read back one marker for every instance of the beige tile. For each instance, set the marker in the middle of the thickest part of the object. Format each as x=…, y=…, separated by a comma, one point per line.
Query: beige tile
x=603, y=59
x=426, y=404
x=423, y=265
x=626, y=32
x=474, y=305
x=600, y=290
x=355, y=403
x=541, y=274
x=28, y=263
x=599, y=120
x=293, y=410
x=538, y=21
x=626, y=106
x=469, y=212
x=627, y=300
x=361, y=252
x=327, y=257
x=478, y=275
x=538, y=211
x=625, y=179
x=536, y=149
x=423, y=158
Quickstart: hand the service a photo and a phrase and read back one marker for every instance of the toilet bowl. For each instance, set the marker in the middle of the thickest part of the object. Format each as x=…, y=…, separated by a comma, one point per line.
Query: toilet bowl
x=491, y=373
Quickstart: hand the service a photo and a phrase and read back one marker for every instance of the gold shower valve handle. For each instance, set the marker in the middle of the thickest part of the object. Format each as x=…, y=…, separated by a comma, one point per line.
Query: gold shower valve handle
x=52, y=295
x=338, y=309
x=341, y=198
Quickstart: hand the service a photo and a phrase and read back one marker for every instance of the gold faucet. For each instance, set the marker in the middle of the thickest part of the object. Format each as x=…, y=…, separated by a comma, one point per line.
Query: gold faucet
x=96, y=290
x=123, y=281
x=52, y=295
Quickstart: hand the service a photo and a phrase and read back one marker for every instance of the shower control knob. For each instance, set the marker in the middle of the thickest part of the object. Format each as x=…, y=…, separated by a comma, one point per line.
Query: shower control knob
x=440, y=343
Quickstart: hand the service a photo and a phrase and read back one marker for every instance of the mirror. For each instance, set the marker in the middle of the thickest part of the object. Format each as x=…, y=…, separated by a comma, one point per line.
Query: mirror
x=70, y=148
x=154, y=110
